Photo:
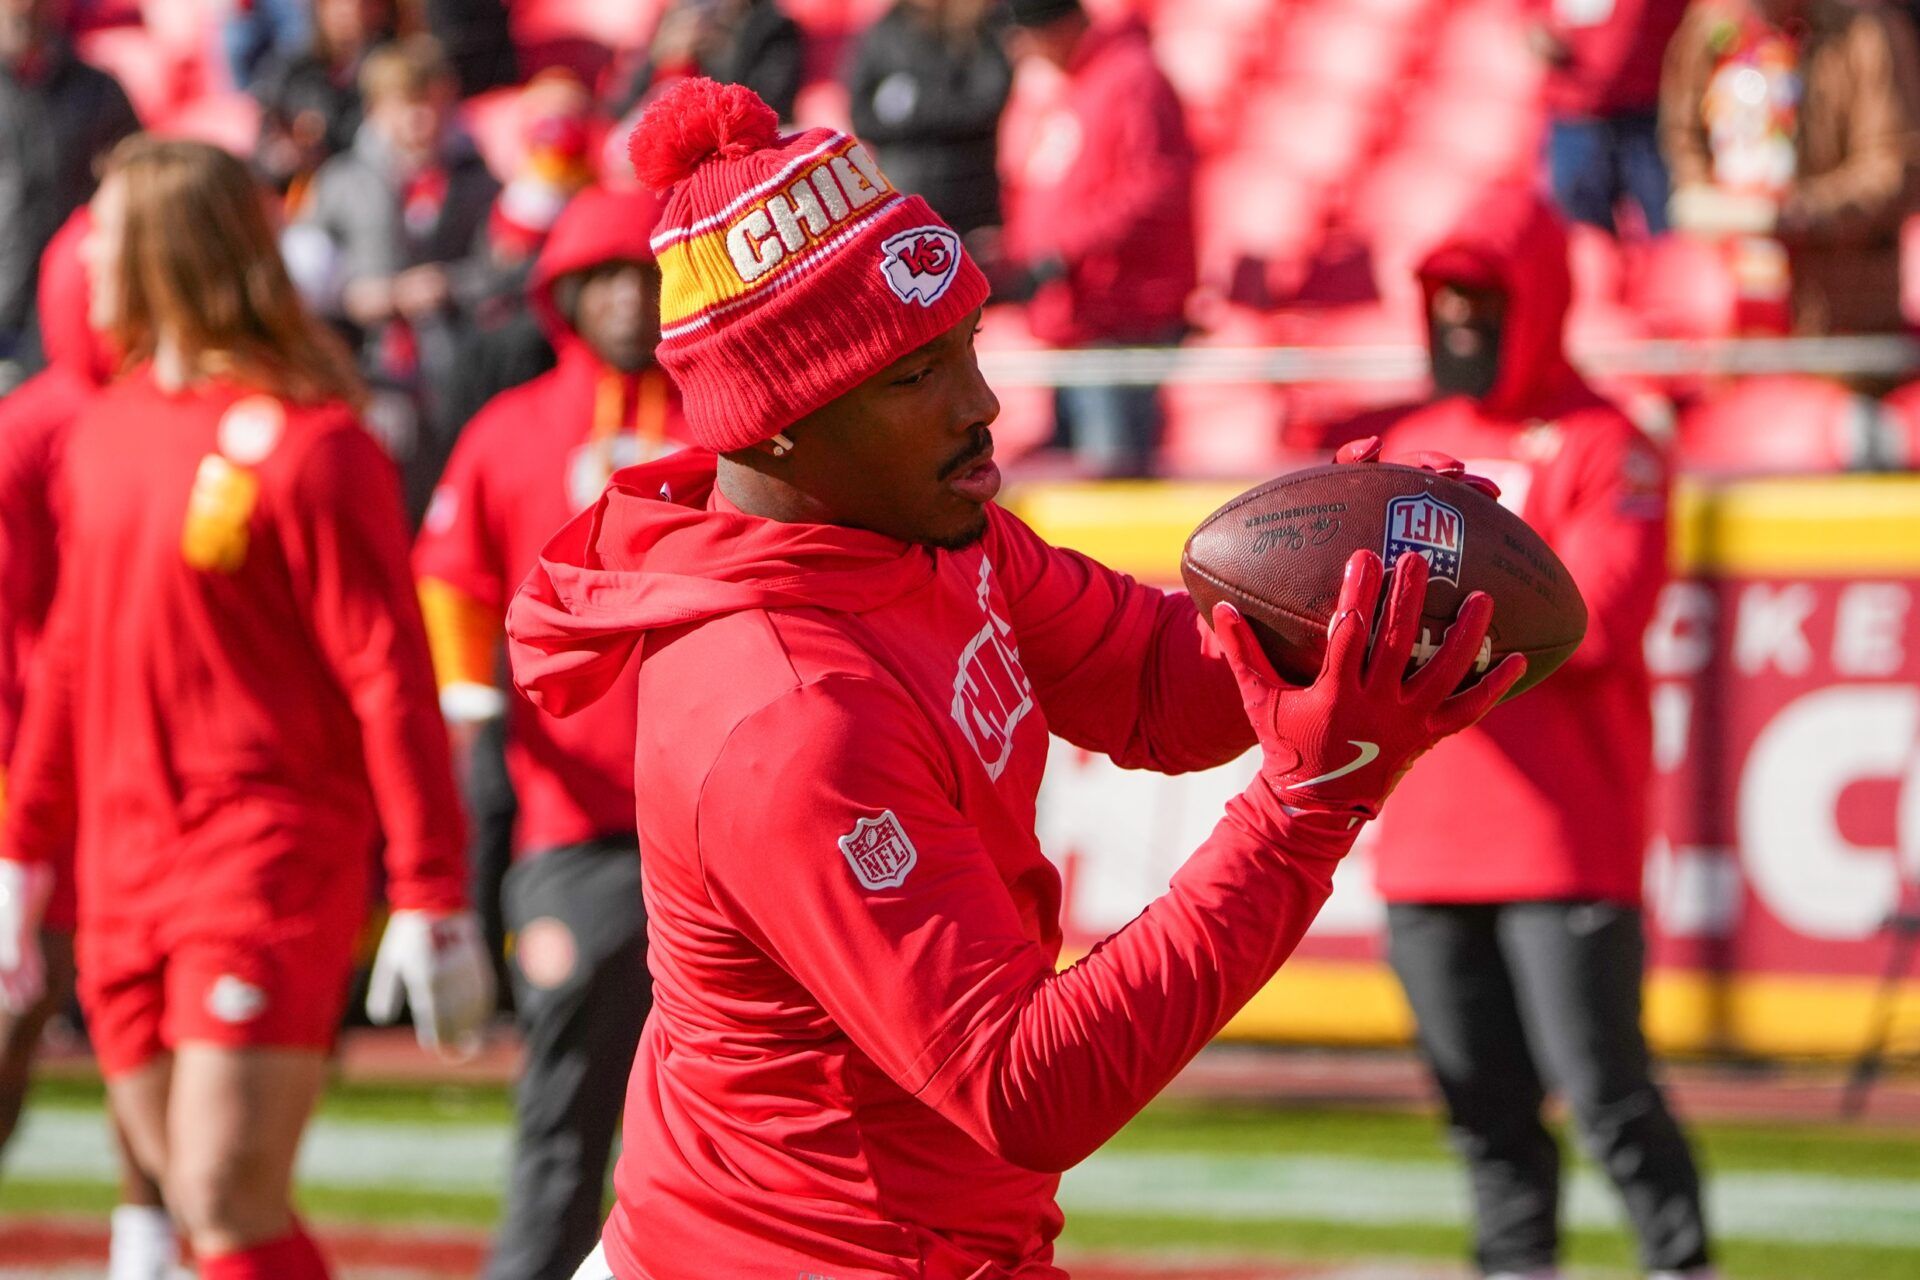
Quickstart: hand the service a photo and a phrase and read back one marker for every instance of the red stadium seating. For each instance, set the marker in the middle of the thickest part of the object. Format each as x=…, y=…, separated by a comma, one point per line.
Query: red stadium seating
x=1224, y=429
x=1777, y=425
x=1682, y=289
x=1026, y=413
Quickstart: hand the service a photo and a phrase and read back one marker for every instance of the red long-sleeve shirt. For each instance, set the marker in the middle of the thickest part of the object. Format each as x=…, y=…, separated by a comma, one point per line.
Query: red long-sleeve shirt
x=235, y=674
x=861, y=1061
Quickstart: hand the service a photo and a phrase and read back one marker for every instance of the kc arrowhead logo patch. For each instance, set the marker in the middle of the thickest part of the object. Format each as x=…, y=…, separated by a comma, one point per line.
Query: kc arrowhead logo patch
x=920, y=264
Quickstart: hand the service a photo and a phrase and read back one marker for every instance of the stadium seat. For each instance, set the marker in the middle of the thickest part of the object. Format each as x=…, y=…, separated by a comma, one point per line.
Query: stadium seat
x=1207, y=66
x=1308, y=134
x=1777, y=424
x=1338, y=52
x=1483, y=47
x=1224, y=429
x=1683, y=289
x=1599, y=267
x=1491, y=137
x=1253, y=216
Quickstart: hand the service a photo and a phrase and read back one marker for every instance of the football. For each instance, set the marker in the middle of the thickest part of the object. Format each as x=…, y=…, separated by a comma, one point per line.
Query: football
x=1277, y=553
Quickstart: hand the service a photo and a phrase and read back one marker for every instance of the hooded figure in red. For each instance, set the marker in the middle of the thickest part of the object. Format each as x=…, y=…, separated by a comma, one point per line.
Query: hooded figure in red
x=34, y=422
x=531, y=460
x=1561, y=774
x=1511, y=858
x=534, y=457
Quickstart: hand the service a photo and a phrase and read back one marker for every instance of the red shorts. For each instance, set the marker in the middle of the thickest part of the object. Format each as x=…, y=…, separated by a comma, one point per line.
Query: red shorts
x=240, y=976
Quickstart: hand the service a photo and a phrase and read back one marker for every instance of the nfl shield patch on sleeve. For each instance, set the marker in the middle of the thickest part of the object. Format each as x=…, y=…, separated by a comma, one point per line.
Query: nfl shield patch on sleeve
x=879, y=852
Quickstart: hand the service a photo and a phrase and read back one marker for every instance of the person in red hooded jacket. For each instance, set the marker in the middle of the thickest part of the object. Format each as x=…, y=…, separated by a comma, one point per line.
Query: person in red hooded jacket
x=34, y=422
x=1100, y=219
x=233, y=701
x=532, y=459
x=861, y=1061
x=1511, y=860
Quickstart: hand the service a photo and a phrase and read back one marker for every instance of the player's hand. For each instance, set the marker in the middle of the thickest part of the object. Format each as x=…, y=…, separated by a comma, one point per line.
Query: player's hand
x=24, y=888
x=1341, y=744
x=438, y=961
x=1357, y=452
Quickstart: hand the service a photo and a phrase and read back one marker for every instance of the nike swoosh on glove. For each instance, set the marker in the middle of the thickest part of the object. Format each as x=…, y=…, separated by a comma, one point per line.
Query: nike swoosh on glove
x=438, y=961
x=24, y=889
x=1341, y=744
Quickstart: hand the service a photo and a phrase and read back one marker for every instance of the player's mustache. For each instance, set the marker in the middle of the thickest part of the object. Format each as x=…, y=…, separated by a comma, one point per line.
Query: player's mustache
x=979, y=444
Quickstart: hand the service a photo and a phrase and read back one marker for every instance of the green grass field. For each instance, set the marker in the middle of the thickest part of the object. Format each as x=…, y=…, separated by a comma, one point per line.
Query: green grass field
x=1798, y=1201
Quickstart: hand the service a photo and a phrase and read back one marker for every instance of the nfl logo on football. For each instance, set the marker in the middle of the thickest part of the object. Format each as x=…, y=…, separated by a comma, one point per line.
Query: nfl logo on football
x=1431, y=529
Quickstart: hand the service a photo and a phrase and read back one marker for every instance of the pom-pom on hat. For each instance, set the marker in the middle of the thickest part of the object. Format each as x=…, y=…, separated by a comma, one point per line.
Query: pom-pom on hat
x=791, y=270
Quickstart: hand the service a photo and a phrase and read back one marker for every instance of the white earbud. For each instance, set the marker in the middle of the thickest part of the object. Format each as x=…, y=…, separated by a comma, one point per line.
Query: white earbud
x=782, y=446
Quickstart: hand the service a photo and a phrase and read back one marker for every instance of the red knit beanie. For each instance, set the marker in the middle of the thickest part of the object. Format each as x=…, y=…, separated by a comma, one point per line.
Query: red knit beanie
x=790, y=268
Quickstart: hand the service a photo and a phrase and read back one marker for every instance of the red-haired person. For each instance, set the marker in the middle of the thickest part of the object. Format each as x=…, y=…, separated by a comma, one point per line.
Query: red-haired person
x=234, y=701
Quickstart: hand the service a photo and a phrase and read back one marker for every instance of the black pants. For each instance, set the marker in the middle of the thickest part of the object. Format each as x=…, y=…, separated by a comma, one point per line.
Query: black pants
x=1511, y=998
x=581, y=993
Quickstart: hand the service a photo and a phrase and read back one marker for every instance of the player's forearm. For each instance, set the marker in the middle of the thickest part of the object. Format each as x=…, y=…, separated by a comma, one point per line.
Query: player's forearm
x=1072, y=1062
x=1190, y=712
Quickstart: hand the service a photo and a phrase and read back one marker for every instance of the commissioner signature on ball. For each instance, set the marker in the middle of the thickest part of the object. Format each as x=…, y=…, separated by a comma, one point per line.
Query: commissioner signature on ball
x=1296, y=536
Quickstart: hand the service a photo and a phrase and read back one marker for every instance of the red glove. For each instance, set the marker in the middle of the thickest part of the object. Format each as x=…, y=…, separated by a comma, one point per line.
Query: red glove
x=1340, y=745
x=1368, y=450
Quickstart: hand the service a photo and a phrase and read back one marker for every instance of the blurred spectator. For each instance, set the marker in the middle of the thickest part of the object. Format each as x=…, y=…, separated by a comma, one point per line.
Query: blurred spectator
x=556, y=112
x=749, y=42
x=1792, y=128
x=58, y=117
x=504, y=344
x=256, y=32
x=310, y=95
x=531, y=460
x=478, y=41
x=1603, y=95
x=1100, y=220
x=1511, y=859
x=928, y=82
x=387, y=244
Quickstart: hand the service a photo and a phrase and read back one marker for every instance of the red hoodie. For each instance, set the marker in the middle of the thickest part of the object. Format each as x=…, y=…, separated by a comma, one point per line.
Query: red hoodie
x=1546, y=797
x=527, y=463
x=861, y=1062
x=1109, y=192
x=1615, y=49
x=34, y=422
x=235, y=677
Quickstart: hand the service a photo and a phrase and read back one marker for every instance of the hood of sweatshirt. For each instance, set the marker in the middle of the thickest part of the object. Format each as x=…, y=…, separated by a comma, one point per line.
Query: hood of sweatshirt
x=662, y=549
x=70, y=342
x=1513, y=240
x=598, y=226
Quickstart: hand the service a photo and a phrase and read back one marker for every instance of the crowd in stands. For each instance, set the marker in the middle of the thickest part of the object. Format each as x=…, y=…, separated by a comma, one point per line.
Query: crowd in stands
x=1211, y=173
